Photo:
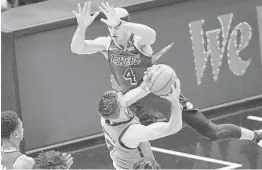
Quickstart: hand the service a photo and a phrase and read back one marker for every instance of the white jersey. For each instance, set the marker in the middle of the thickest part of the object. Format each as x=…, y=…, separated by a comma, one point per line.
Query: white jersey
x=122, y=156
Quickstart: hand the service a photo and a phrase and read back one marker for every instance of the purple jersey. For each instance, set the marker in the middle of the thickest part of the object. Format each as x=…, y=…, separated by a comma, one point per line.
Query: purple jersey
x=128, y=66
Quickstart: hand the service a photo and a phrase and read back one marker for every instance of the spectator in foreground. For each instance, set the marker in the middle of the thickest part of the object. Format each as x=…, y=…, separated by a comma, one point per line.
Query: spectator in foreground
x=12, y=134
x=146, y=163
x=53, y=160
x=11, y=158
x=7, y=4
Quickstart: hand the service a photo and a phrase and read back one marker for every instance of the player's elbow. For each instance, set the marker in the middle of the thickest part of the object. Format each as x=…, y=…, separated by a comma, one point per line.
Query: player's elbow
x=80, y=50
x=176, y=127
x=73, y=50
x=76, y=49
x=151, y=36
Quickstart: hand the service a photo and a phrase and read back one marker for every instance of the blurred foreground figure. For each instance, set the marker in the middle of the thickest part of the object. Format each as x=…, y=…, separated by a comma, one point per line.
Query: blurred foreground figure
x=7, y=4
x=53, y=160
x=146, y=163
x=12, y=134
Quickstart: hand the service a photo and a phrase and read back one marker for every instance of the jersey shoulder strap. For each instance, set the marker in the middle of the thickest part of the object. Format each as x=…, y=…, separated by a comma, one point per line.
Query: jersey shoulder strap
x=122, y=134
x=9, y=158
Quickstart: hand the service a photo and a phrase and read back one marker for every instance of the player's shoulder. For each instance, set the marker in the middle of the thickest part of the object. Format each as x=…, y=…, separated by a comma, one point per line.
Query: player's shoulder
x=144, y=49
x=102, y=121
x=132, y=129
x=23, y=157
x=106, y=39
x=130, y=135
x=24, y=162
x=103, y=40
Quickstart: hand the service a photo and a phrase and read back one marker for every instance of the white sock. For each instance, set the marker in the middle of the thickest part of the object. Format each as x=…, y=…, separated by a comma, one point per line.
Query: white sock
x=247, y=134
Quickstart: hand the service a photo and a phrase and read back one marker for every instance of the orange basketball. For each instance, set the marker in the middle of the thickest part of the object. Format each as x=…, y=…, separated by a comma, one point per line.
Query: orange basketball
x=160, y=79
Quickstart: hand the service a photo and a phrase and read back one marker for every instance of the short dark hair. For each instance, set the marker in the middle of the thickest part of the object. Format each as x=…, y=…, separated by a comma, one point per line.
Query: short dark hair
x=146, y=163
x=50, y=160
x=108, y=105
x=9, y=123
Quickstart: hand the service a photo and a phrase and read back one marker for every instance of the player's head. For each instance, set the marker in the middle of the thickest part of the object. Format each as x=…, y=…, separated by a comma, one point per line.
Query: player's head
x=118, y=33
x=146, y=163
x=12, y=127
x=7, y=4
x=110, y=106
x=50, y=160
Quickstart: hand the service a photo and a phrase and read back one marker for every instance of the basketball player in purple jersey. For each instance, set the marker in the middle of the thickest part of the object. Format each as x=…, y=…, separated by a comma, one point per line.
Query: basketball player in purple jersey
x=127, y=139
x=129, y=53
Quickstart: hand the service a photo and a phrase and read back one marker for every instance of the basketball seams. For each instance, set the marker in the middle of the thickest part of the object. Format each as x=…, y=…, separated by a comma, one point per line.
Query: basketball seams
x=171, y=77
x=152, y=85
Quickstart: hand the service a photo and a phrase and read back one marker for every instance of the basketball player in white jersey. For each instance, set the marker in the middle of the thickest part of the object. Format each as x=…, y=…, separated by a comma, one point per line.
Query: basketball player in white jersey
x=126, y=138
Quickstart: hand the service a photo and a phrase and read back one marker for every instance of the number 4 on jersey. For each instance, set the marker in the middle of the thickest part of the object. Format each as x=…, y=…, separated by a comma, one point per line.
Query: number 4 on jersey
x=129, y=75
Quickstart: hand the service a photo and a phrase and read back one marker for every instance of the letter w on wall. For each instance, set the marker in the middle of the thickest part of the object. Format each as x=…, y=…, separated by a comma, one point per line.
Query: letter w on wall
x=217, y=42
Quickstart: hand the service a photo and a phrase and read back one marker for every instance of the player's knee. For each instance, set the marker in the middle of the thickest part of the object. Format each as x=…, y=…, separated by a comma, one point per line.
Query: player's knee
x=212, y=135
x=212, y=132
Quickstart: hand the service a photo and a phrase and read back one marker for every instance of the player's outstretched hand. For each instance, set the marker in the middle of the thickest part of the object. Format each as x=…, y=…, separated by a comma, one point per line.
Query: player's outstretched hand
x=83, y=16
x=151, y=69
x=144, y=86
x=68, y=159
x=174, y=95
x=112, y=19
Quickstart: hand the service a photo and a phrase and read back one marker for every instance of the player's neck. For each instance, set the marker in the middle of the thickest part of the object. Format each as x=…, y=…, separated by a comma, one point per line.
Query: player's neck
x=119, y=120
x=123, y=42
x=9, y=146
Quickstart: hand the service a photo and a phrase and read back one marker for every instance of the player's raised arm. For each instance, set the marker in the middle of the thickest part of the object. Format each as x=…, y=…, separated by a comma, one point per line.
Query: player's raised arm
x=147, y=35
x=79, y=45
x=139, y=133
x=135, y=94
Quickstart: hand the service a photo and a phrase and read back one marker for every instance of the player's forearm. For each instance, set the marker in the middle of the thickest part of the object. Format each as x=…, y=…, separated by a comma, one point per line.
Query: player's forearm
x=78, y=40
x=175, y=120
x=134, y=95
x=157, y=130
x=147, y=34
x=162, y=129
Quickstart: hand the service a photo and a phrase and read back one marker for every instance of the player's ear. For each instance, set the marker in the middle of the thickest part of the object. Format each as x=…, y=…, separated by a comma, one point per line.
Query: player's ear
x=15, y=133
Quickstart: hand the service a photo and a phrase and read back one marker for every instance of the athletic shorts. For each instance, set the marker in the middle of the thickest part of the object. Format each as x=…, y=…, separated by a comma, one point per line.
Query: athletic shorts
x=152, y=108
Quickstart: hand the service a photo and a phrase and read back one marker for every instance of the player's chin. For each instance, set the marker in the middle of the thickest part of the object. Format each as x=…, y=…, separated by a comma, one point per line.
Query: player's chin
x=115, y=38
x=115, y=115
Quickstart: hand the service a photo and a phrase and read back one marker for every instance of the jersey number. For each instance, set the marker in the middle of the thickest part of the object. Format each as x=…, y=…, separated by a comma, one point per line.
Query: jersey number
x=109, y=145
x=129, y=75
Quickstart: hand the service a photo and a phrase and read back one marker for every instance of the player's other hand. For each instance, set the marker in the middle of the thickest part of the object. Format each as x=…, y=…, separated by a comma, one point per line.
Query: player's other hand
x=144, y=86
x=151, y=70
x=112, y=19
x=68, y=159
x=174, y=95
x=83, y=16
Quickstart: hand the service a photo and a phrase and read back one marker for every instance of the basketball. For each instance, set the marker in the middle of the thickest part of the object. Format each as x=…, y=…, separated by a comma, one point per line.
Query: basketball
x=160, y=78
